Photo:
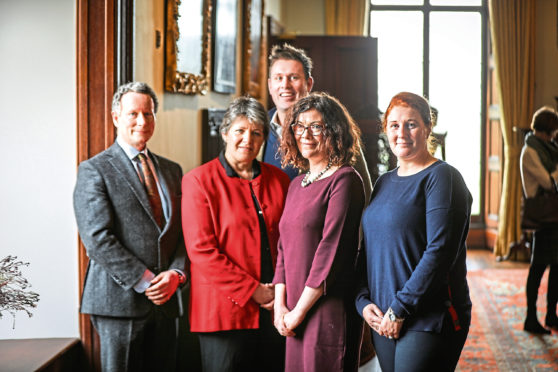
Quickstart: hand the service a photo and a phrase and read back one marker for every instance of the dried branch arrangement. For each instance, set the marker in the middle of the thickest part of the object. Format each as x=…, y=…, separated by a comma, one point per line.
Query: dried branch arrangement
x=14, y=296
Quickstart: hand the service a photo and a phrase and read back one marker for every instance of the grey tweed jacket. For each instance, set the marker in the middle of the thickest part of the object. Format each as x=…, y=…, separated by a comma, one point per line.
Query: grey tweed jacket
x=120, y=234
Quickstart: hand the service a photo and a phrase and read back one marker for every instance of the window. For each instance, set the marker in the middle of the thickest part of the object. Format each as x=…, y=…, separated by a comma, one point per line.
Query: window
x=437, y=48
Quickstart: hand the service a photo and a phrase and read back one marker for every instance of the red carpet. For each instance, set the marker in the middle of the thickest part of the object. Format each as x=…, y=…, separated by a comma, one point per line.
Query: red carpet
x=496, y=339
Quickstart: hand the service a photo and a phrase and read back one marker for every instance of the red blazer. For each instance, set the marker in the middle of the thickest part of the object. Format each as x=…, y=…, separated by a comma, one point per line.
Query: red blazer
x=222, y=236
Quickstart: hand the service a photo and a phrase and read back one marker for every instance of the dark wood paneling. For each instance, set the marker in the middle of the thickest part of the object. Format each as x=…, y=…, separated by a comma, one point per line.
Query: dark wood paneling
x=487, y=227
x=476, y=238
x=212, y=144
x=95, y=132
x=491, y=235
x=95, y=74
x=494, y=159
x=41, y=354
x=347, y=68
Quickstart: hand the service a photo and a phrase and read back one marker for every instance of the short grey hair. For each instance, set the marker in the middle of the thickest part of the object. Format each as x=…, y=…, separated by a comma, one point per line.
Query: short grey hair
x=135, y=87
x=245, y=107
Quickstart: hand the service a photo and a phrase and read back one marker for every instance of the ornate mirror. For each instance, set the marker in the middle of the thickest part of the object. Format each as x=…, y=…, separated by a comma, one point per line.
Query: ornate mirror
x=188, y=49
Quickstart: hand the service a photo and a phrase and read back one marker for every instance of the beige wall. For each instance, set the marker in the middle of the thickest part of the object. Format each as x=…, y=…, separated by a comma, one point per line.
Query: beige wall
x=273, y=8
x=546, y=57
x=303, y=17
x=178, y=132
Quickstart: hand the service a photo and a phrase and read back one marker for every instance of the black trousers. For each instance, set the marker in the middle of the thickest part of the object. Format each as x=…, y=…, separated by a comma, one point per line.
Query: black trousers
x=536, y=271
x=421, y=351
x=137, y=344
x=244, y=350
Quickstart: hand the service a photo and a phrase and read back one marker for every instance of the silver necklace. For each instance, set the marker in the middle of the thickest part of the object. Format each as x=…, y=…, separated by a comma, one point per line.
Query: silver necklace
x=307, y=180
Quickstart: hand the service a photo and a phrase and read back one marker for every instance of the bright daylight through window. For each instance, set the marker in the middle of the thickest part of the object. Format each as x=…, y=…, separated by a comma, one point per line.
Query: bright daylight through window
x=435, y=48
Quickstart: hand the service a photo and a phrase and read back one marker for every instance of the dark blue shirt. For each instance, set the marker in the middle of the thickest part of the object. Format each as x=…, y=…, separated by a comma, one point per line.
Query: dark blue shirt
x=271, y=154
x=415, y=229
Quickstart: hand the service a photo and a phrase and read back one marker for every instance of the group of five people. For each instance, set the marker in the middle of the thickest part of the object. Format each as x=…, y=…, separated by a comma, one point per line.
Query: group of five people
x=277, y=276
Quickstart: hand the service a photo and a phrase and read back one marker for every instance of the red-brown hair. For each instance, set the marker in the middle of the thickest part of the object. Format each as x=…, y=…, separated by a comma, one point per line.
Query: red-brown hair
x=414, y=101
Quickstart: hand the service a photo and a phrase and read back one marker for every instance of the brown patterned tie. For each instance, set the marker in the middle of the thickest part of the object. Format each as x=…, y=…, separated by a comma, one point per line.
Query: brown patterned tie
x=152, y=192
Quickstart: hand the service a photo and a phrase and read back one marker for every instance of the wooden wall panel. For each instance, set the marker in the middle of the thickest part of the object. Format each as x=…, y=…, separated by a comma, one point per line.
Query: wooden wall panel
x=95, y=131
x=494, y=157
x=347, y=68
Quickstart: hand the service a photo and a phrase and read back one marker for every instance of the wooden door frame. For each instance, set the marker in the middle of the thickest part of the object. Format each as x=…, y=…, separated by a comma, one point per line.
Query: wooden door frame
x=103, y=61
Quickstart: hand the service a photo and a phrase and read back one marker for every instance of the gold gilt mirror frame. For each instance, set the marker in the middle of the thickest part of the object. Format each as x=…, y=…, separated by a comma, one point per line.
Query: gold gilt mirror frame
x=185, y=43
x=254, y=48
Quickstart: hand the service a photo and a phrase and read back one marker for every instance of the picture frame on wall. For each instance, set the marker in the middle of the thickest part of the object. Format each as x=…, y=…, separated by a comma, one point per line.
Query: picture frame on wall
x=253, y=47
x=225, y=37
x=187, y=46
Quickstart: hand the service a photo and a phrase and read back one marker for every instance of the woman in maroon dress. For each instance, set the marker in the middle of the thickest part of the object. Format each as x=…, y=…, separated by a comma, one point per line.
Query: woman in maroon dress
x=315, y=276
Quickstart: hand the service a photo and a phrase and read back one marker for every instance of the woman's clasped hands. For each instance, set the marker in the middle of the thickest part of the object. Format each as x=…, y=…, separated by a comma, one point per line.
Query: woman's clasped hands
x=380, y=322
x=285, y=321
x=264, y=295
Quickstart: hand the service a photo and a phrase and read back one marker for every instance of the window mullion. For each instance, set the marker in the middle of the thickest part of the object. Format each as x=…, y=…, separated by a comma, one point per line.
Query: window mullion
x=426, y=52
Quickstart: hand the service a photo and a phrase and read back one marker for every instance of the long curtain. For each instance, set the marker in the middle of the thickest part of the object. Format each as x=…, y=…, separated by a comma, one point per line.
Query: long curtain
x=513, y=41
x=346, y=17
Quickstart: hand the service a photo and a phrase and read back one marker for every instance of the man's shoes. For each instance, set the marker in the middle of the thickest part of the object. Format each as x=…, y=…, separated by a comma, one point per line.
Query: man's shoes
x=551, y=321
x=533, y=326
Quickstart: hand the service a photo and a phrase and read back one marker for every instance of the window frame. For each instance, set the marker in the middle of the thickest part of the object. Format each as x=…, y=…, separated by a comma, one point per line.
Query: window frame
x=426, y=9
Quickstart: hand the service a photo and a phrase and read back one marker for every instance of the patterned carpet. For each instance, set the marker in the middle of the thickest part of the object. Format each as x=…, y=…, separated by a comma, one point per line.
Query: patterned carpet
x=496, y=340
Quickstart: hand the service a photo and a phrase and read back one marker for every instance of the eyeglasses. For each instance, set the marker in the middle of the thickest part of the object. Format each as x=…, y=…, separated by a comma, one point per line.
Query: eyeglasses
x=315, y=129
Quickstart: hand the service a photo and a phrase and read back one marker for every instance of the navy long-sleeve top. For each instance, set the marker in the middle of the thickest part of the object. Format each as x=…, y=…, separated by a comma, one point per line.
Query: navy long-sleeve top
x=414, y=230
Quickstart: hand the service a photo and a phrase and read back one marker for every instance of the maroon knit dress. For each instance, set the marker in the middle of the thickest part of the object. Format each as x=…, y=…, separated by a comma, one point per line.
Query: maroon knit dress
x=317, y=246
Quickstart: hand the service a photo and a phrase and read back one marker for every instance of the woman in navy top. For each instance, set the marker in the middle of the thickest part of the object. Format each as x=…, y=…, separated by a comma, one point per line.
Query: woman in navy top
x=416, y=298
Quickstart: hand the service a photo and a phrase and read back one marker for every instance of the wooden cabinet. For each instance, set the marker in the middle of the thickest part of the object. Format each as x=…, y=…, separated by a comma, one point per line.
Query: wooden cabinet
x=347, y=68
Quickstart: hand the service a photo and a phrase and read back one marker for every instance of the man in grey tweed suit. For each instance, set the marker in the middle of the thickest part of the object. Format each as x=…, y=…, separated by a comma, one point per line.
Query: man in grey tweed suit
x=136, y=263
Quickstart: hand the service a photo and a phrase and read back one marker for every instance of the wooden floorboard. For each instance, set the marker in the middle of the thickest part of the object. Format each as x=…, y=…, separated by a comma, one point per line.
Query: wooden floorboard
x=478, y=259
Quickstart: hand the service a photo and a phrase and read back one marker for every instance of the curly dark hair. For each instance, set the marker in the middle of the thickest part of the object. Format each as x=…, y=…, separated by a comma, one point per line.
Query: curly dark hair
x=341, y=134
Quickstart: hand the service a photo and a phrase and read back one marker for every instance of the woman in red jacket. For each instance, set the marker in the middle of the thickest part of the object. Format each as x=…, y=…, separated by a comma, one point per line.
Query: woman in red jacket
x=231, y=208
